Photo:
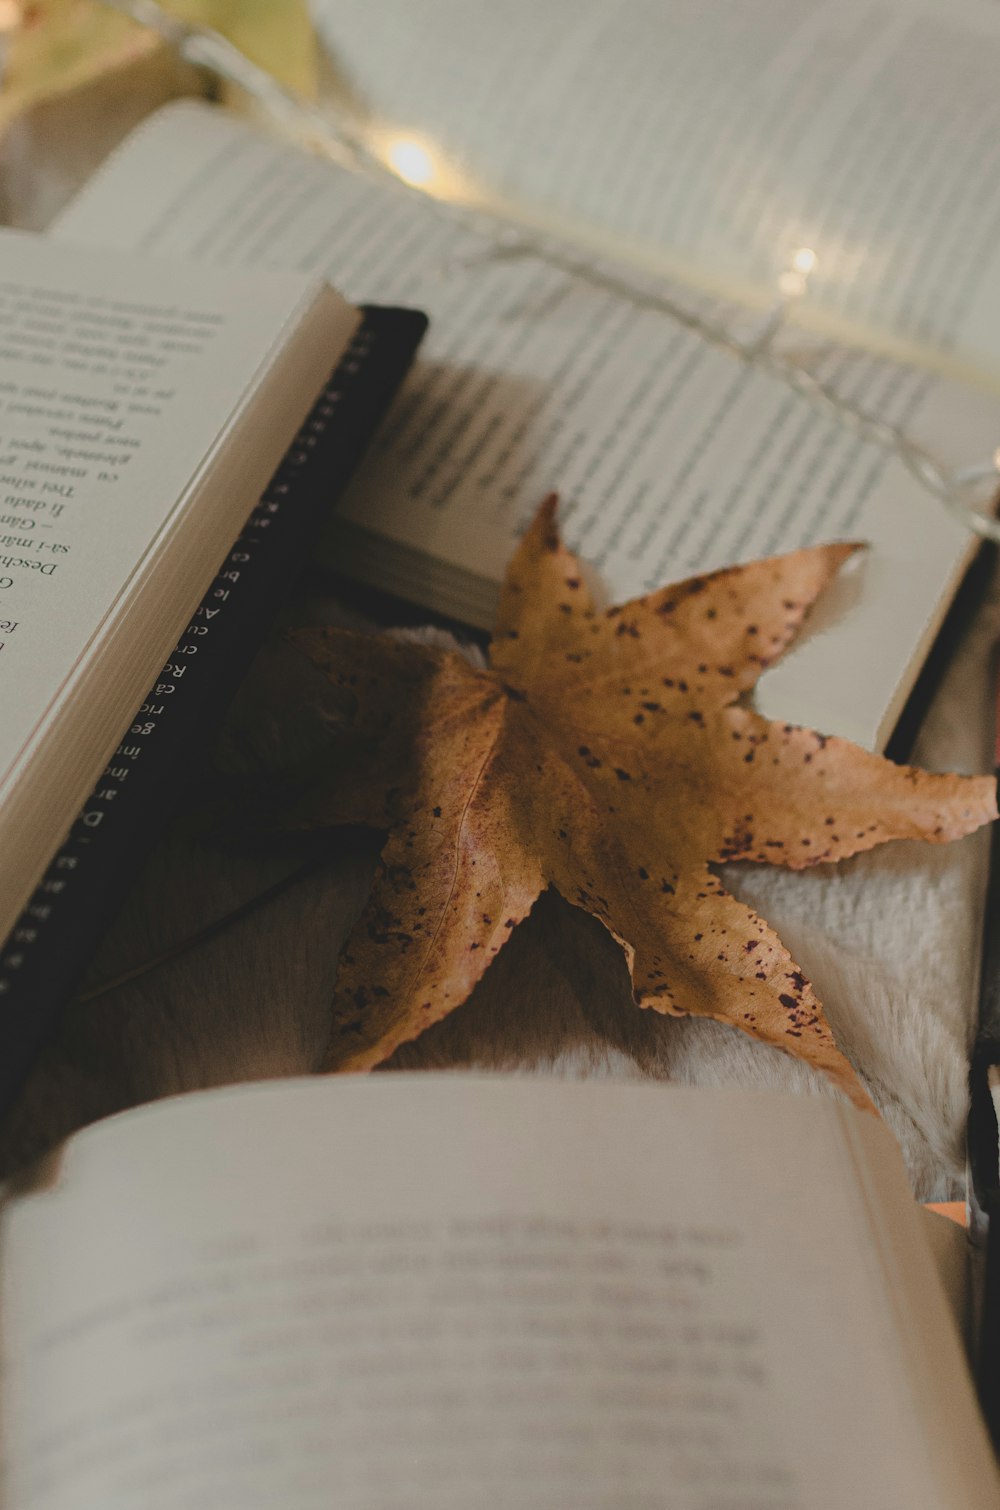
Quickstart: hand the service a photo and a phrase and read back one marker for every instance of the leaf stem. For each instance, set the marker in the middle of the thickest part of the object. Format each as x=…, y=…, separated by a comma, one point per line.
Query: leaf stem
x=206, y=934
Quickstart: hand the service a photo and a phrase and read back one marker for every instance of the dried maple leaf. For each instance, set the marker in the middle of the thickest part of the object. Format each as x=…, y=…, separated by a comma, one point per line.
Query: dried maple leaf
x=607, y=754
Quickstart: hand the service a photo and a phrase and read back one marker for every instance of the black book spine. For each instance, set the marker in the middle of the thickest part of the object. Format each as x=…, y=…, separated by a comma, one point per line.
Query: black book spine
x=53, y=941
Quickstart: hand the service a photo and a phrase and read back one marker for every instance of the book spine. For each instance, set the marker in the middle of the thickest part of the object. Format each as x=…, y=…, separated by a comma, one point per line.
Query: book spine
x=53, y=941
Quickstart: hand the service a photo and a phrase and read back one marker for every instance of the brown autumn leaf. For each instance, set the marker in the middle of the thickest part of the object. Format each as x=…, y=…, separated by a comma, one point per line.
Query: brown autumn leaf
x=607, y=754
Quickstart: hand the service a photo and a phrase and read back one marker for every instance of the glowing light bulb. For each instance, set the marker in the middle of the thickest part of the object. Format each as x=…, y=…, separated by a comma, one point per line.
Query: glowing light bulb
x=413, y=163
x=804, y=261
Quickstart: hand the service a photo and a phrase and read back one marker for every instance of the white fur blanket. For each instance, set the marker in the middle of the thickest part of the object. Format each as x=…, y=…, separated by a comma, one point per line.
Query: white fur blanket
x=891, y=939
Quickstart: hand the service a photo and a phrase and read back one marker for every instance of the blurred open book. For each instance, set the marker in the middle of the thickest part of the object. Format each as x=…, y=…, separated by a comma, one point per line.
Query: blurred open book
x=453, y=1290
x=839, y=156
x=852, y=147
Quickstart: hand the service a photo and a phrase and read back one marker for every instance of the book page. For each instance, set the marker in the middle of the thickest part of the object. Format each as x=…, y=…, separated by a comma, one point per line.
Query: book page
x=442, y=1291
x=726, y=136
x=670, y=456
x=116, y=379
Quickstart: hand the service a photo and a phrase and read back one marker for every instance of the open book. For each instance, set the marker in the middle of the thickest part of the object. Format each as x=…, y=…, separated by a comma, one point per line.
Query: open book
x=442, y=1291
x=670, y=455
x=717, y=141
x=143, y=407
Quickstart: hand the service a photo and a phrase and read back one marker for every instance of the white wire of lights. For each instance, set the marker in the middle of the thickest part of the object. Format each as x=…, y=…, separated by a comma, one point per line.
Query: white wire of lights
x=314, y=130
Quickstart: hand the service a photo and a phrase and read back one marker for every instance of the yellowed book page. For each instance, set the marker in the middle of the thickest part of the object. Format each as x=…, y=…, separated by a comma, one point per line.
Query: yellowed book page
x=721, y=137
x=670, y=456
x=116, y=380
x=443, y=1291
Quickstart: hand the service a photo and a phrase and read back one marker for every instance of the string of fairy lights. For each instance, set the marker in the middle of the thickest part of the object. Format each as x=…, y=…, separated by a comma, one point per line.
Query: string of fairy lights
x=407, y=166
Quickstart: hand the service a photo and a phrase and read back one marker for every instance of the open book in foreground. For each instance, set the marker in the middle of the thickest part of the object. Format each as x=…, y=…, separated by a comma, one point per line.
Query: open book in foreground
x=443, y=1290
x=710, y=144
x=143, y=407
